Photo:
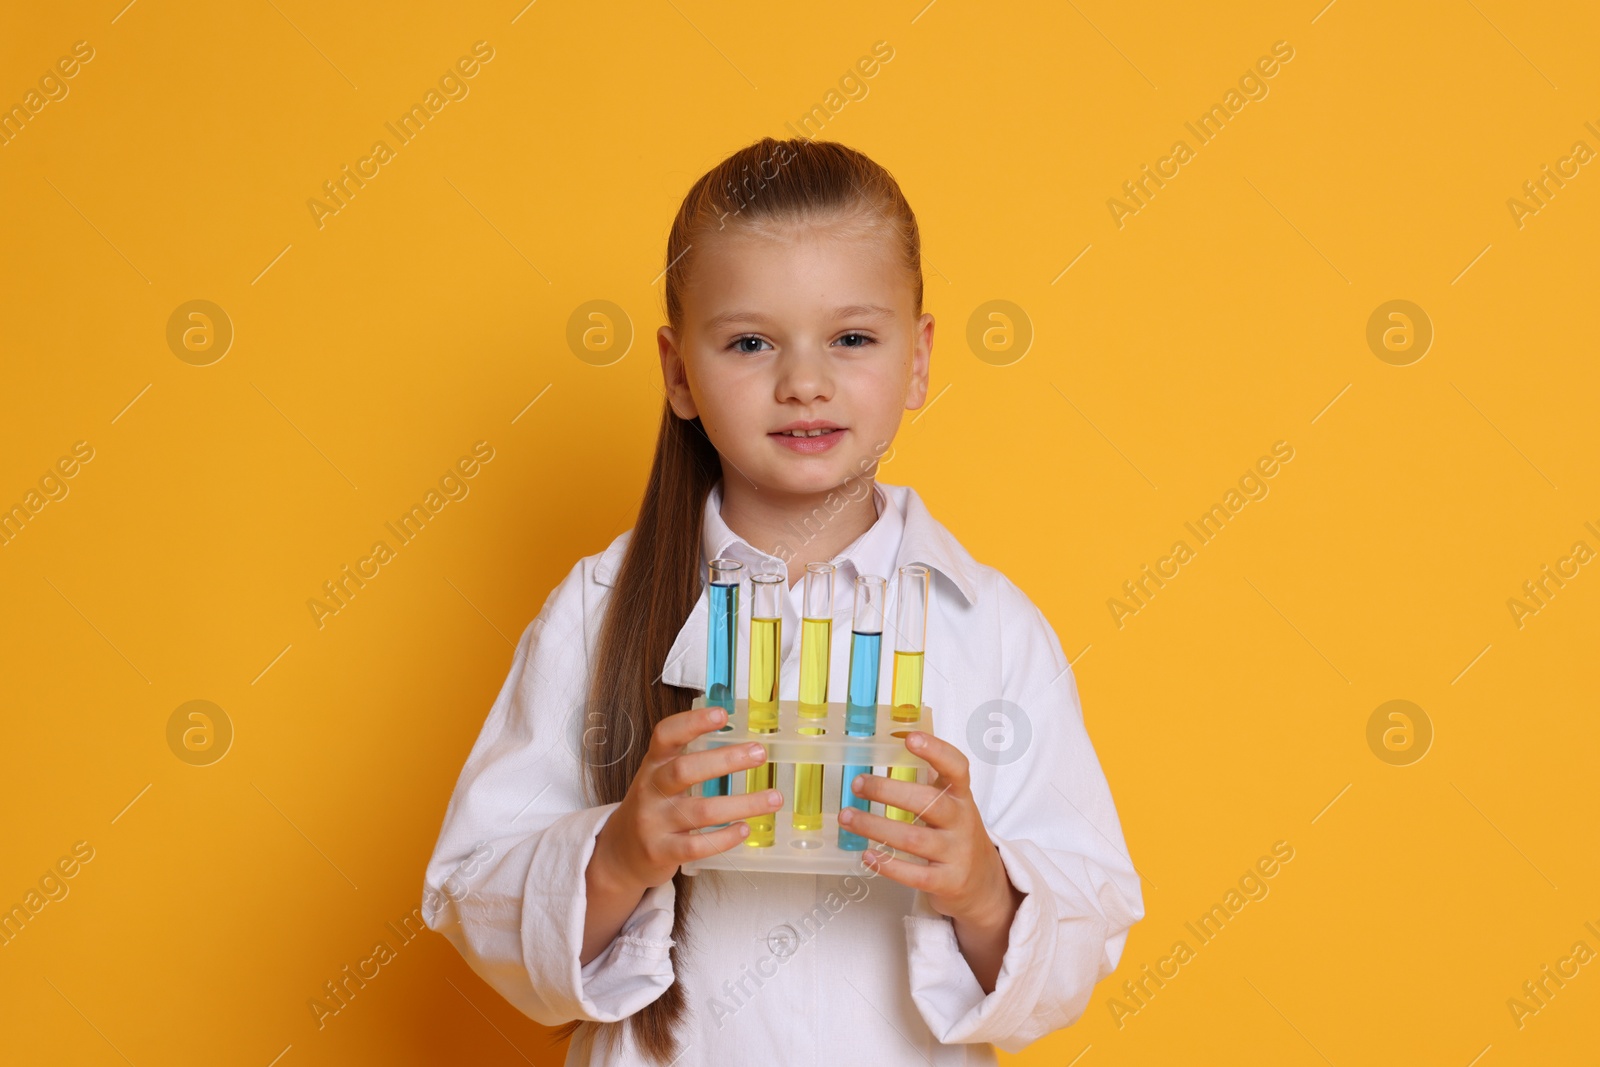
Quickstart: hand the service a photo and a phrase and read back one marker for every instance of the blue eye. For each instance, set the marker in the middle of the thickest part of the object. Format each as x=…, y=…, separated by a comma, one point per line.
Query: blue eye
x=741, y=344
x=738, y=341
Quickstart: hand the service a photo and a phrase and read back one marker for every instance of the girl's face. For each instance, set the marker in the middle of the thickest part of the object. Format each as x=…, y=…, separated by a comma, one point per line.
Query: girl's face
x=799, y=325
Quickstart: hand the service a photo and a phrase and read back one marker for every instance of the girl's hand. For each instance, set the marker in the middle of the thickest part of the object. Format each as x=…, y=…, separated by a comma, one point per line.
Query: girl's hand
x=657, y=826
x=965, y=877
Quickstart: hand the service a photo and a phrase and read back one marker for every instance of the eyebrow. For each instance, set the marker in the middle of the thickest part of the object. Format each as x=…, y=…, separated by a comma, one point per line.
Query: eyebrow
x=728, y=318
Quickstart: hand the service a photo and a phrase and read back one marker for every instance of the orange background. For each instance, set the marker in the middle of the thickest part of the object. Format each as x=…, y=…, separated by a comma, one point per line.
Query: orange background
x=1228, y=313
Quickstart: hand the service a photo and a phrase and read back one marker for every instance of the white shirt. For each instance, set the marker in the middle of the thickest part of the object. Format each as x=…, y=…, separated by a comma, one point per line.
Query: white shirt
x=805, y=969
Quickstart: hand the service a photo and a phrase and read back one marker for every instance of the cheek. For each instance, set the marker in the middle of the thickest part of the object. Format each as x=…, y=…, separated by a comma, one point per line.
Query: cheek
x=882, y=388
x=880, y=369
x=731, y=405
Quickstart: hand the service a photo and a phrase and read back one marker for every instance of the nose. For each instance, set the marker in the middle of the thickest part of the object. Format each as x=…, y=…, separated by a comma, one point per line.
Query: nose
x=804, y=374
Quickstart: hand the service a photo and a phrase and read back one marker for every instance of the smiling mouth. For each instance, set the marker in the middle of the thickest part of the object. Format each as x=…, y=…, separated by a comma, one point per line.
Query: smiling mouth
x=807, y=433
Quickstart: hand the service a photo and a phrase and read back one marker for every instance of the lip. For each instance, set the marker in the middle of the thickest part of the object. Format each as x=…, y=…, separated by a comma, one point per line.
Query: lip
x=810, y=424
x=810, y=445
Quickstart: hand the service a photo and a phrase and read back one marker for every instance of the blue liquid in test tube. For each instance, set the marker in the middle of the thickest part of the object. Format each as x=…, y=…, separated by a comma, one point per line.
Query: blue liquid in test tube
x=861, y=709
x=722, y=649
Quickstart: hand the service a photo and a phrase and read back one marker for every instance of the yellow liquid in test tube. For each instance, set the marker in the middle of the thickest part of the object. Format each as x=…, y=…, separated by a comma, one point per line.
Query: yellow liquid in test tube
x=907, y=695
x=907, y=687
x=816, y=638
x=765, y=637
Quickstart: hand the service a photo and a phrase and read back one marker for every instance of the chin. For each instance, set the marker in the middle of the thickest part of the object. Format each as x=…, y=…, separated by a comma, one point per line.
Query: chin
x=819, y=479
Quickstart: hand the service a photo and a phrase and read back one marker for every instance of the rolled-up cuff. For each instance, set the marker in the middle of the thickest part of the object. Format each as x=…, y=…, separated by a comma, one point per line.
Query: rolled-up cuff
x=945, y=990
x=630, y=972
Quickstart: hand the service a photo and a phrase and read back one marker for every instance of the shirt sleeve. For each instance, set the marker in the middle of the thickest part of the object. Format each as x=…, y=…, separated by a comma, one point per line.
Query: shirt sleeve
x=506, y=882
x=1048, y=809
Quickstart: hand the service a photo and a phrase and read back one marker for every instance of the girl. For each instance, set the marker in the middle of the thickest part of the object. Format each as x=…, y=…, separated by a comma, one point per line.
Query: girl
x=794, y=303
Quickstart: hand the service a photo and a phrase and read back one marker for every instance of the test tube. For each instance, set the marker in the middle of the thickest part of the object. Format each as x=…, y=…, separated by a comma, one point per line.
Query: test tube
x=766, y=633
x=722, y=648
x=816, y=642
x=911, y=631
x=861, y=708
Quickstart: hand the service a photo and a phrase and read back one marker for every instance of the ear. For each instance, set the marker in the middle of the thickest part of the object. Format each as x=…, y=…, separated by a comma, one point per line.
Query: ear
x=675, y=375
x=921, y=356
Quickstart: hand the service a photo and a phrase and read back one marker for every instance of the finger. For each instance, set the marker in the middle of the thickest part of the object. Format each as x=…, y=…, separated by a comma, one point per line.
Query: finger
x=916, y=875
x=925, y=841
x=929, y=803
x=678, y=729
x=946, y=759
x=692, y=768
x=714, y=811
x=700, y=844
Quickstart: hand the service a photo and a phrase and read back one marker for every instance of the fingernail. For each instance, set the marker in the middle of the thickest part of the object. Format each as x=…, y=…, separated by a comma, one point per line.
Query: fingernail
x=774, y=798
x=755, y=750
x=856, y=785
x=744, y=829
x=714, y=715
x=916, y=740
x=847, y=816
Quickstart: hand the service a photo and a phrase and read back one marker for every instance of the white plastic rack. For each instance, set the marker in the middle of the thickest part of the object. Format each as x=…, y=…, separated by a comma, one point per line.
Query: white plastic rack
x=809, y=851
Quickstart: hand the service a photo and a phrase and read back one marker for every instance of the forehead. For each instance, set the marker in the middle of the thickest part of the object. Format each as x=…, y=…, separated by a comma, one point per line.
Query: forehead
x=797, y=269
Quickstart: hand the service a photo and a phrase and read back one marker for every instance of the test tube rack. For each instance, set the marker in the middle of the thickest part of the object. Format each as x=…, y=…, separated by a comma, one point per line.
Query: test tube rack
x=810, y=851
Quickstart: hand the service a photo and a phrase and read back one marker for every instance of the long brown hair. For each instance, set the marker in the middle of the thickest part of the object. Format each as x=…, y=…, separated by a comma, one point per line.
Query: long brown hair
x=768, y=182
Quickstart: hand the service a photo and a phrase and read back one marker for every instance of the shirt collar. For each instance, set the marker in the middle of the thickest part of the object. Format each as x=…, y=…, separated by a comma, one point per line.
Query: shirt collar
x=872, y=553
x=923, y=539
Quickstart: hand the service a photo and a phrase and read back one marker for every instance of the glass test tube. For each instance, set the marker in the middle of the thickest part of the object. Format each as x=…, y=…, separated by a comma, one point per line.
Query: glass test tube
x=861, y=709
x=911, y=631
x=722, y=650
x=816, y=642
x=766, y=633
